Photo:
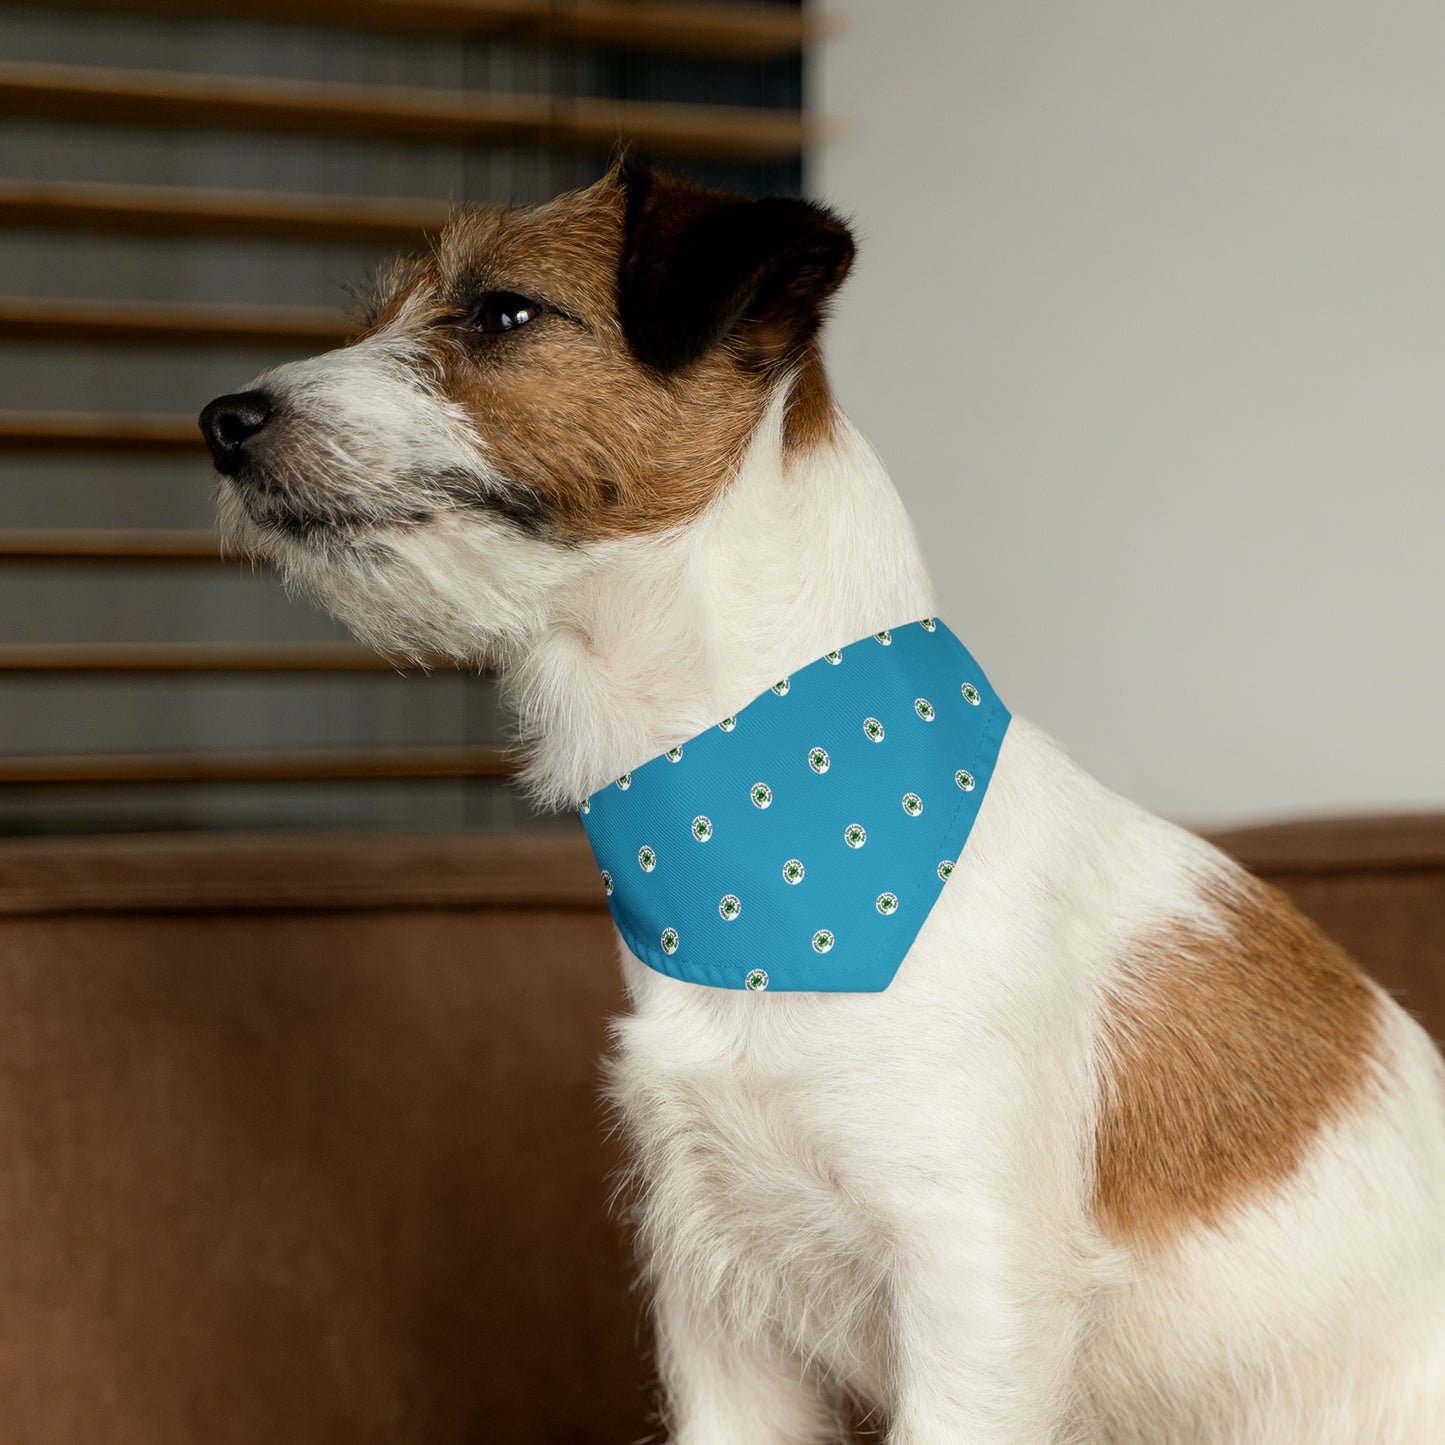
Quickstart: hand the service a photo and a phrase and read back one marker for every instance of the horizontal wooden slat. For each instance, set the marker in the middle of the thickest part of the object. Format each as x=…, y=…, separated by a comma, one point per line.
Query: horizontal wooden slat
x=175, y=210
x=84, y=431
x=219, y=102
x=752, y=31
x=171, y=323
x=76, y=544
x=712, y=29
x=72, y=657
x=258, y=767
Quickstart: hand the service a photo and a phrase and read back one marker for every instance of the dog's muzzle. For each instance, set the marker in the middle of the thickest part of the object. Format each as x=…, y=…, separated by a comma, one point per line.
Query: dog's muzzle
x=230, y=422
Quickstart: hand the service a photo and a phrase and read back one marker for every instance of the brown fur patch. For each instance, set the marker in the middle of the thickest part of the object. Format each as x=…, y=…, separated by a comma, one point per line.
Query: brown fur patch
x=1226, y=1053
x=604, y=445
x=608, y=446
x=812, y=413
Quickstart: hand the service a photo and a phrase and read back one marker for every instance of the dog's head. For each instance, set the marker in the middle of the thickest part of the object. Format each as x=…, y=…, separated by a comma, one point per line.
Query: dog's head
x=561, y=377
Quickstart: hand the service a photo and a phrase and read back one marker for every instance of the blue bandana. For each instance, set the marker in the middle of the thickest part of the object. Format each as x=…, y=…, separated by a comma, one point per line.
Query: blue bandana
x=800, y=845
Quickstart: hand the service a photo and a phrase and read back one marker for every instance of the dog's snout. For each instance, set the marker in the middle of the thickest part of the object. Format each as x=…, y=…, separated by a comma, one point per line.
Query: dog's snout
x=229, y=422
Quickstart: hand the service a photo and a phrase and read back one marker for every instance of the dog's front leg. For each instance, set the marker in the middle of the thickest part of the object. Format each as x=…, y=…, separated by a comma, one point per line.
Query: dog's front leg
x=722, y=1389
x=984, y=1345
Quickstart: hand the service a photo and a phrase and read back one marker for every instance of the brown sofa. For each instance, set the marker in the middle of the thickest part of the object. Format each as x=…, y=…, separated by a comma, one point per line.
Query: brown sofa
x=301, y=1139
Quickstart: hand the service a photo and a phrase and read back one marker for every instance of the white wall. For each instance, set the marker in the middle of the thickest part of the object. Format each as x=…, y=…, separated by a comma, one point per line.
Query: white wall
x=1149, y=324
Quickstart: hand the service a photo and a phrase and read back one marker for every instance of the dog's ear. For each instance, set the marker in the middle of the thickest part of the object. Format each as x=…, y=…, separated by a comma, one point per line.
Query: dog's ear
x=700, y=266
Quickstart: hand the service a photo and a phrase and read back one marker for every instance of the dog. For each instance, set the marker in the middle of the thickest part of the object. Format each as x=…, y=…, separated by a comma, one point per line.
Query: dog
x=1126, y=1152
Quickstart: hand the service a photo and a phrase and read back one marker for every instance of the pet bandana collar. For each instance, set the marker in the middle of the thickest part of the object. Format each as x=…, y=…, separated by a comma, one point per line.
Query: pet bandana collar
x=800, y=845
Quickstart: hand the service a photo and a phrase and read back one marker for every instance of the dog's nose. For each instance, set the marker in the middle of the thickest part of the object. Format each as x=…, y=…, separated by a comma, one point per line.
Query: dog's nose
x=229, y=422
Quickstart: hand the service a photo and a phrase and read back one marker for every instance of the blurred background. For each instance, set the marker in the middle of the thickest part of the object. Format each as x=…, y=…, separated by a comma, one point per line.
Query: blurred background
x=1149, y=323
x=1146, y=323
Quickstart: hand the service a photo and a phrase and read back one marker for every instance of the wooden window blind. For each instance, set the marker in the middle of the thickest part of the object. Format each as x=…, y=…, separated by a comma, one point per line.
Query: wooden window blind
x=185, y=188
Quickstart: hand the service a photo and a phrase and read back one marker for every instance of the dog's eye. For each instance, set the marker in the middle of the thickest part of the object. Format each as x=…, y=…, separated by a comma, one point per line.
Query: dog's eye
x=504, y=311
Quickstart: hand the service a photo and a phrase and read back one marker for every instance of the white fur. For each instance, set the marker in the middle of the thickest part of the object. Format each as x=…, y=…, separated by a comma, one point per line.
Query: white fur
x=890, y=1194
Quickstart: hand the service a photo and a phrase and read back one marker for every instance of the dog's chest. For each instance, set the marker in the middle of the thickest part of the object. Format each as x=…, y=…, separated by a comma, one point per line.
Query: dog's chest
x=744, y=1184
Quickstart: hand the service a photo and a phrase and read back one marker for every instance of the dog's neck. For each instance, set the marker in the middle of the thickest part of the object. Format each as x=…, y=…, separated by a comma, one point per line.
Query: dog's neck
x=657, y=638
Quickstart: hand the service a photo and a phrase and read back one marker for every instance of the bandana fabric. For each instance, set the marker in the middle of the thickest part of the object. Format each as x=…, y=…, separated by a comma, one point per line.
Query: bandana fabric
x=800, y=845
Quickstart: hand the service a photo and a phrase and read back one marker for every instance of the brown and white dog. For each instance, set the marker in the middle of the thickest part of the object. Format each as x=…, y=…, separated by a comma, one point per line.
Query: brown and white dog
x=1127, y=1152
